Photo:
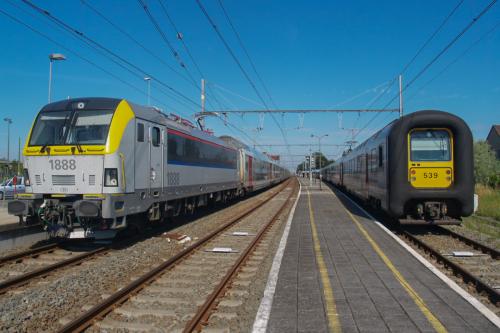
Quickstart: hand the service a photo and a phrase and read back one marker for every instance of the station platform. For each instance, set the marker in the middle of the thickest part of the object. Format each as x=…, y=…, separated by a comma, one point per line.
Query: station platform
x=341, y=272
x=7, y=221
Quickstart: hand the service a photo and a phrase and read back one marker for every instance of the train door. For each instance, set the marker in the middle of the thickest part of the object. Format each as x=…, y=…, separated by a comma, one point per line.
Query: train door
x=342, y=173
x=155, y=160
x=366, y=168
x=242, y=166
x=164, y=158
x=141, y=178
x=367, y=187
x=250, y=171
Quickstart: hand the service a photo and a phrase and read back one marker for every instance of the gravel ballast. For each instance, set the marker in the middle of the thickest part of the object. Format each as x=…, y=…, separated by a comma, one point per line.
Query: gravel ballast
x=46, y=305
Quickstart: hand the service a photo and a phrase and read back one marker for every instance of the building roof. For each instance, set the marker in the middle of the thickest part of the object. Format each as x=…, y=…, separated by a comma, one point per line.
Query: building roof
x=495, y=129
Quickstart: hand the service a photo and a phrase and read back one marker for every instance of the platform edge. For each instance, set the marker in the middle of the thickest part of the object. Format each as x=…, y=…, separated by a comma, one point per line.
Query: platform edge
x=264, y=311
x=459, y=290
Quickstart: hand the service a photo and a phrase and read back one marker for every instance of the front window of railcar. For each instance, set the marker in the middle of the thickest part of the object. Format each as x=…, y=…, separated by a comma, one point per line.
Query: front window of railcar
x=89, y=127
x=50, y=128
x=430, y=145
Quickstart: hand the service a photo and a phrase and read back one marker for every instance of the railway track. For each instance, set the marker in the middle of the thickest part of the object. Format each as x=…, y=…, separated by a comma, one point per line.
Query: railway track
x=476, y=264
x=188, y=290
x=22, y=268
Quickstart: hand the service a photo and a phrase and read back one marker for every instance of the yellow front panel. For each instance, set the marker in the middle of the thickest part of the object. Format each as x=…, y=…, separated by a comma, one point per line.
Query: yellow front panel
x=122, y=116
x=430, y=177
x=431, y=174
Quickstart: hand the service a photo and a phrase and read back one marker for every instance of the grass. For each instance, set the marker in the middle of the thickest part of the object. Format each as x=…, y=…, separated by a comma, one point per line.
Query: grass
x=489, y=202
x=491, y=230
x=486, y=221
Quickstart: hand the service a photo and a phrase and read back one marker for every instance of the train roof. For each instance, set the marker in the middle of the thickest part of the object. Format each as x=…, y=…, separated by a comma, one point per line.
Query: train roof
x=249, y=150
x=414, y=117
x=156, y=115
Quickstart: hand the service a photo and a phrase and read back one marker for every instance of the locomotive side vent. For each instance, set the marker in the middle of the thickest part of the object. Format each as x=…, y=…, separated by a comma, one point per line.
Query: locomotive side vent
x=63, y=180
x=38, y=180
x=91, y=180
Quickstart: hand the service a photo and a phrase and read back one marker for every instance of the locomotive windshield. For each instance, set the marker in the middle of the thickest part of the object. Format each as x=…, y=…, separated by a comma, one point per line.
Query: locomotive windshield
x=430, y=145
x=89, y=127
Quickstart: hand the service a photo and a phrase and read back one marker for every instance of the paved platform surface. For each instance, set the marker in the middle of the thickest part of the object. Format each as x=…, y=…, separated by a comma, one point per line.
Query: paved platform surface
x=333, y=279
x=5, y=218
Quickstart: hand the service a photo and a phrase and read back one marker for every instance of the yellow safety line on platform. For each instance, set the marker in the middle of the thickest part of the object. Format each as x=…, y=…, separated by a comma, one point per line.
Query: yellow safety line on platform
x=331, y=309
x=438, y=326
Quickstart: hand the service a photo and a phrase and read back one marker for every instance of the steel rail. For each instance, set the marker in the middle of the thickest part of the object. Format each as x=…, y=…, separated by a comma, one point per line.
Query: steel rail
x=204, y=311
x=28, y=253
x=495, y=254
x=43, y=271
x=100, y=310
x=467, y=277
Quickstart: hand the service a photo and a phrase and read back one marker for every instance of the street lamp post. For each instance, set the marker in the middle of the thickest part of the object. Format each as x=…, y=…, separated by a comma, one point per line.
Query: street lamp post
x=148, y=80
x=53, y=57
x=319, y=146
x=9, y=121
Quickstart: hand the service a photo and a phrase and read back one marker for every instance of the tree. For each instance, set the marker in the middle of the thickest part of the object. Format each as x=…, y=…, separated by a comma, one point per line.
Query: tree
x=486, y=166
x=316, y=156
x=301, y=167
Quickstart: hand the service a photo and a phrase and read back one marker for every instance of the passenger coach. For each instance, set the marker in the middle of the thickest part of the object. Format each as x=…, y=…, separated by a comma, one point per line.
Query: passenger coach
x=419, y=169
x=92, y=163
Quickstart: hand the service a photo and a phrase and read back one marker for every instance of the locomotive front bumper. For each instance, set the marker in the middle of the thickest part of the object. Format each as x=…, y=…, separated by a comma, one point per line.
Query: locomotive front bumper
x=24, y=205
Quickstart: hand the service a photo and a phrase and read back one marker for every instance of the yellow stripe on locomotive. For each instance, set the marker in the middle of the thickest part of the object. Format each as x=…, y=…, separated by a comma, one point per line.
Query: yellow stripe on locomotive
x=430, y=158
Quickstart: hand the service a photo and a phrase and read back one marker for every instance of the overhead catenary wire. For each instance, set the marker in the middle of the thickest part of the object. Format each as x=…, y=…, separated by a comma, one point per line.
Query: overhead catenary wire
x=157, y=27
x=135, y=41
x=436, y=57
x=188, y=52
x=424, y=45
x=451, y=63
x=114, y=57
x=240, y=66
x=240, y=41
x=445, y=49
x=54, y=25
x=409, y=63
x=62, y=28
x=76, y=54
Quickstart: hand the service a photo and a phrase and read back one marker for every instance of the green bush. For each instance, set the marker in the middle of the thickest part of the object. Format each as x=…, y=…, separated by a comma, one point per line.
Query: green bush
x=486, y=165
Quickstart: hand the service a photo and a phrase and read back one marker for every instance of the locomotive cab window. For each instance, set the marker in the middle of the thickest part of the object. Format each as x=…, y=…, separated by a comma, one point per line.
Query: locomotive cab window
x=430, y=145
x=155, y=136
x=89, y=127
x=140, y=132
x=380, y=156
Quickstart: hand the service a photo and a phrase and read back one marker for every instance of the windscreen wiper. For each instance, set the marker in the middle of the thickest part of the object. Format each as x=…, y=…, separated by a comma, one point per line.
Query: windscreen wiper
x=78, y=146
x=45, y=148
x=64, y=126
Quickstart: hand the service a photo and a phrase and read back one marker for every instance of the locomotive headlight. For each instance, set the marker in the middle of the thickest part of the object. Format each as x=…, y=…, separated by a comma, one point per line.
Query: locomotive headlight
x=444, y=209
x=26, y=177
x=111, y=177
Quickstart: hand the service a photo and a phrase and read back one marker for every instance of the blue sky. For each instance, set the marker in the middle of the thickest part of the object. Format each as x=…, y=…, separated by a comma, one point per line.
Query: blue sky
x=310, y=54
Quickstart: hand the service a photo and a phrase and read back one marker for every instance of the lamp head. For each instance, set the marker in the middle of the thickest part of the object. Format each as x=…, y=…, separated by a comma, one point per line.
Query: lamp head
x=57, y=56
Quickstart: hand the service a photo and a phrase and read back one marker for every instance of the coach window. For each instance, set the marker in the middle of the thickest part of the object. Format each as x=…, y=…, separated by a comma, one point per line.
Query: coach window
x=373, y=160
x=140, y=132
x=380, y=156
x=155, y=139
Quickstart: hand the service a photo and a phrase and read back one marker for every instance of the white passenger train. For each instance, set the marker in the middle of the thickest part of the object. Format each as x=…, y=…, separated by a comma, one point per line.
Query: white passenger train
x=92, y=162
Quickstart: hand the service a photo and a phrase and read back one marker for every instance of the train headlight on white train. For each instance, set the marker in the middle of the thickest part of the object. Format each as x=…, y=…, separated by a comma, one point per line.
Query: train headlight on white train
x=111, y=177
x=26, y=177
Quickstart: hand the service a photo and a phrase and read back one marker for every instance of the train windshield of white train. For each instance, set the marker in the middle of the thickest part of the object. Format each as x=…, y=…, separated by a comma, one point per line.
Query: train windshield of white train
x=430, y=145
x=90, y=127
x=67, y=128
